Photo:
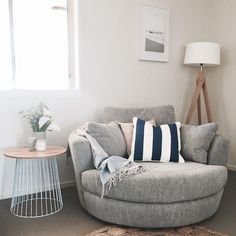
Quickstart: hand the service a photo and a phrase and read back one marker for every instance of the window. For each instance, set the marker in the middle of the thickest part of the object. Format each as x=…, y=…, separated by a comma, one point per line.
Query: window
x=39, y=44
x=5, y=47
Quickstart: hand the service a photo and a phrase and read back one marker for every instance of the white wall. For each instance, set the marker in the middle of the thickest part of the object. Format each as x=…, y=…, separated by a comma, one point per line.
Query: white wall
x=110, y=74
x=222, y=79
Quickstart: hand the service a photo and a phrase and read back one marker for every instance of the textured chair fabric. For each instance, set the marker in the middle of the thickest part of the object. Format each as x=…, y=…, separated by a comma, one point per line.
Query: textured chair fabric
x=109, y=136
x=196, y=141
x=82, y=160
x=170, y=206
x=149, y=215
x=163, y=183
x=162, y=114
x=219, y=151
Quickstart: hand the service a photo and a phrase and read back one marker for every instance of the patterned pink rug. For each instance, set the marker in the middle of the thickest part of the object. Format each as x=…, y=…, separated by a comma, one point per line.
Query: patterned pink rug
x=125, y=231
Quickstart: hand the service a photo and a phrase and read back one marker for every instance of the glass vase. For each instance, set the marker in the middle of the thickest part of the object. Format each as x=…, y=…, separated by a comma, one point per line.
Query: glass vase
x=41, y=144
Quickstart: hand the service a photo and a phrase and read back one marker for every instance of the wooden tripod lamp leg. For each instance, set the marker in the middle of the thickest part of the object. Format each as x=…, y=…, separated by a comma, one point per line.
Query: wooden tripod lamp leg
x=196, y=95
x=207, y=104
x=199, y=111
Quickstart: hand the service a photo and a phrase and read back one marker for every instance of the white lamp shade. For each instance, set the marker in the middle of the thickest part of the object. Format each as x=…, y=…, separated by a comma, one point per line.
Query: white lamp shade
x=205, y=53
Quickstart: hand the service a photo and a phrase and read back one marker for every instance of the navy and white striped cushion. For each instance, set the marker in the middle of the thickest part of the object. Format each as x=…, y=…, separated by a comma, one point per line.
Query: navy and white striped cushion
x=160, y=143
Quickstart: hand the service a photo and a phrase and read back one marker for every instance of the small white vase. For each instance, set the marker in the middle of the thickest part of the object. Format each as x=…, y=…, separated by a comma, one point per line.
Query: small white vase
x=41, y=144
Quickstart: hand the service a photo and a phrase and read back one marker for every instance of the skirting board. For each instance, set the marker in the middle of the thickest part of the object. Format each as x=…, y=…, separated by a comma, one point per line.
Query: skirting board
x=231, y=167
x=65, y=184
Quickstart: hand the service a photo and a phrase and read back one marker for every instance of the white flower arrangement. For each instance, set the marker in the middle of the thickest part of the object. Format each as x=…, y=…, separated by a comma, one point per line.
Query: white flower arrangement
x=40, y=118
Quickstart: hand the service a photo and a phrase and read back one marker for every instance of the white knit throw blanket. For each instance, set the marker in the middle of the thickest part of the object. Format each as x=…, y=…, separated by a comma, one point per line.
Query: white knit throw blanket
x=113, y=169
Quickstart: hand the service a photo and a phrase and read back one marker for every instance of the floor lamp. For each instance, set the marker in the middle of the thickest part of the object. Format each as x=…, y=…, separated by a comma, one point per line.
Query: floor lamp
x=201, y=54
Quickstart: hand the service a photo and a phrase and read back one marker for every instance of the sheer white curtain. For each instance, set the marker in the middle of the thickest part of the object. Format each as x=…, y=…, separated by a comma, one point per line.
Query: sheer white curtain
x=5, y=47
x=40, y=44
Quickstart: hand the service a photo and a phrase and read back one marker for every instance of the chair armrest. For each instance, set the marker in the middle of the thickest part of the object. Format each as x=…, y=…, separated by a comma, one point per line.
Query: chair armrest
x=219, y=151
x=82, y=160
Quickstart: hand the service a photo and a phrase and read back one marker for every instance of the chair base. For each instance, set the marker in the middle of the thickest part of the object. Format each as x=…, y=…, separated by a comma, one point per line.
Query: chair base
x=152, y=215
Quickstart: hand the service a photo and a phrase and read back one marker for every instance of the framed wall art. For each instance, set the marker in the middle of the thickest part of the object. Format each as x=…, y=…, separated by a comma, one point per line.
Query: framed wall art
x=154, y=33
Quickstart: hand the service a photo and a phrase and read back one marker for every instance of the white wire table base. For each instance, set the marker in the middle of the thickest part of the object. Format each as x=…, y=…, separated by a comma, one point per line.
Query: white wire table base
x=36, y=191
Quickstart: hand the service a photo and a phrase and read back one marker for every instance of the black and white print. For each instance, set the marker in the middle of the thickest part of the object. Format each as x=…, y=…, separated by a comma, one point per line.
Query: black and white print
x=154, y=33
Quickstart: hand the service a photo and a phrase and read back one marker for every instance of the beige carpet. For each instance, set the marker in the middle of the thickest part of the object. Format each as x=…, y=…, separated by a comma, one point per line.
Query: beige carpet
x=125, y=231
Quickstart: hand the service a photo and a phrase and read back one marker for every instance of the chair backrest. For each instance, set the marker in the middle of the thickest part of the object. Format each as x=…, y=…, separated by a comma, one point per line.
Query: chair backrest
x=162, y=114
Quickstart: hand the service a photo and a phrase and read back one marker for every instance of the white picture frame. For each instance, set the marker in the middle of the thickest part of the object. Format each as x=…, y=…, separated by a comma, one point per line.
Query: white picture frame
x=154, y=33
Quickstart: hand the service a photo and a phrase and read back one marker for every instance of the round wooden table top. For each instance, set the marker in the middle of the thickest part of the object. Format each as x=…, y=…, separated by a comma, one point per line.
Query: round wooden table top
x=24, y=153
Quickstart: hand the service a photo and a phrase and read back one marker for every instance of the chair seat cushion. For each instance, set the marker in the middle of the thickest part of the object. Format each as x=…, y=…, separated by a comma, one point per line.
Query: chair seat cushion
x=163, y=183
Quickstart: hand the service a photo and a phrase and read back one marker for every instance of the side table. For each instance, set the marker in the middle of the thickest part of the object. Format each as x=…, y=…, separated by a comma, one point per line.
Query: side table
x=36, y=190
